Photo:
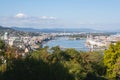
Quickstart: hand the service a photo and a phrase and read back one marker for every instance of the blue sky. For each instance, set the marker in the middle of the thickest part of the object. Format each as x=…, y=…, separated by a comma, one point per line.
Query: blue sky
x=94, y=14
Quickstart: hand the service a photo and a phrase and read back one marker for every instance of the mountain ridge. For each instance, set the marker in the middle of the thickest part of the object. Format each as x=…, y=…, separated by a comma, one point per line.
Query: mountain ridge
x=55, y=29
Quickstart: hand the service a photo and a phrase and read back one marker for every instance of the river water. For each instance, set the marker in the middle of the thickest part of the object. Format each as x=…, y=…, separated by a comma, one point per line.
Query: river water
x=65, y=42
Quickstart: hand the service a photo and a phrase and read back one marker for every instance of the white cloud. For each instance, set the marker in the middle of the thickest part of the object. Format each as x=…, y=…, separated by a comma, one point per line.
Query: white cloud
x=22, y=19
x=44, y=17
x=20, y=15
x=48, y=17
x=51, y=17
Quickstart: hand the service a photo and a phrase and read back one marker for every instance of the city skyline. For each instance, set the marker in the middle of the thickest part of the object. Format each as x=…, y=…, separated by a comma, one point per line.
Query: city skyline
x=93, y=14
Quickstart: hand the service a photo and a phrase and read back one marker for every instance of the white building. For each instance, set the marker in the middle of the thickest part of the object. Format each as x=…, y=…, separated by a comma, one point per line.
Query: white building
x=5, y=37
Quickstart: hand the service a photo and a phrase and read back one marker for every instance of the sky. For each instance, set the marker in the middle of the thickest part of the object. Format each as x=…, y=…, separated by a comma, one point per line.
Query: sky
x=93, y=14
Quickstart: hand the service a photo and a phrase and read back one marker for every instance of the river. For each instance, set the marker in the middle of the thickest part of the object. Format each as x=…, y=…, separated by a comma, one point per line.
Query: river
x=65, y=42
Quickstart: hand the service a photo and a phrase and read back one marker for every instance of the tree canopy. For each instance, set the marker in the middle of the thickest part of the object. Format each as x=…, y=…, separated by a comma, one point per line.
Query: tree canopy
x=54, y=64
x=1, y=44
x=112, y=60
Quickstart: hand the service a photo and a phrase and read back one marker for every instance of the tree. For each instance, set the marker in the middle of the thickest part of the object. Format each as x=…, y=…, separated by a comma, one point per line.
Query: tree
x=2, y=44
x=111, y=59
x=92, y=62
x=34, y=69
x=116, y=69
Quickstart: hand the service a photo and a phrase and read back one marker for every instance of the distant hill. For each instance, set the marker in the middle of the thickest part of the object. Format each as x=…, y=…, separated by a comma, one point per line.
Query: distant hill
x=15, y=32
x=55, y=30
x=25, y=29
x=5, y=28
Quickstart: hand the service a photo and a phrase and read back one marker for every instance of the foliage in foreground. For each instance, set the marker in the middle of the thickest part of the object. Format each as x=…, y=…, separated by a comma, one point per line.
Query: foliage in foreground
x=54, y=64
x=112, y=61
